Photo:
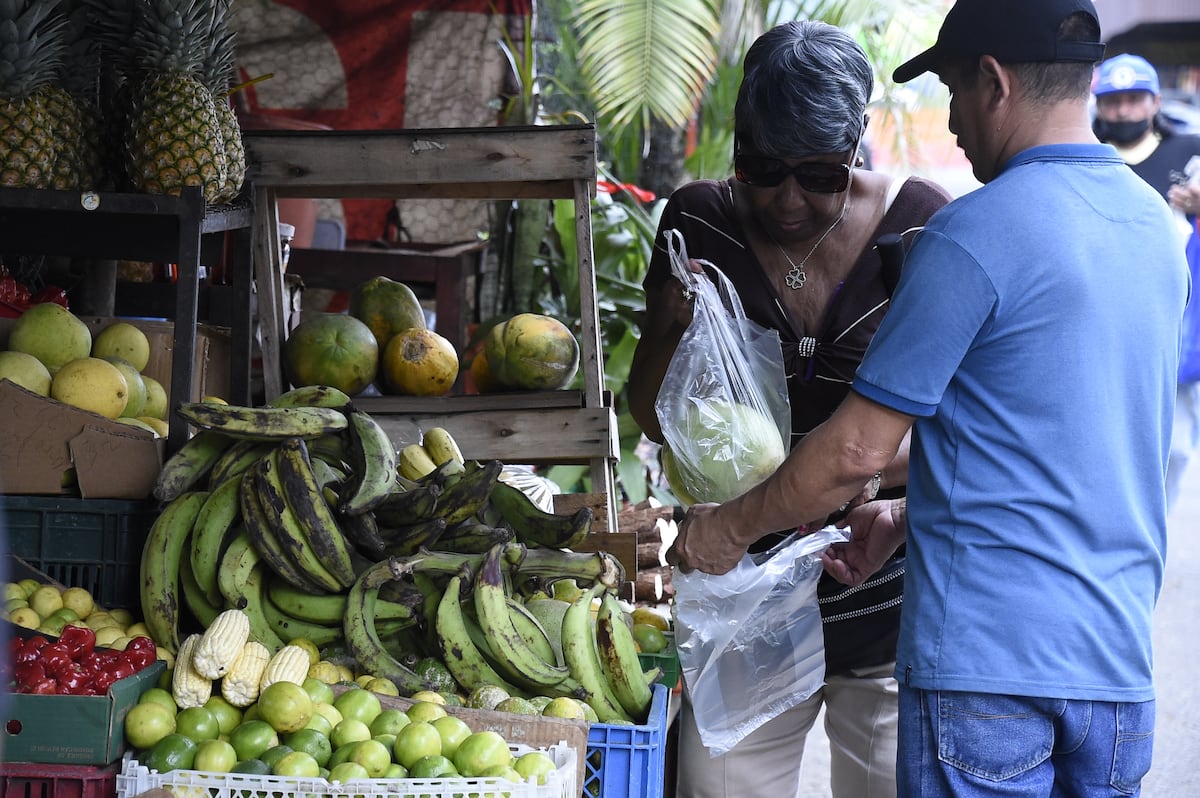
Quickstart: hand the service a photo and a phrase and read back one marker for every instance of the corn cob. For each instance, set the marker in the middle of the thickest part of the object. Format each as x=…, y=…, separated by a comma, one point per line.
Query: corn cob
x=221, y=644
x=240, y=685
x=188, y=687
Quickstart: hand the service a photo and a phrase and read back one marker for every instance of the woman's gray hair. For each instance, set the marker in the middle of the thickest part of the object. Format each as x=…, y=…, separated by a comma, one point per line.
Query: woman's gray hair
x=804, y=90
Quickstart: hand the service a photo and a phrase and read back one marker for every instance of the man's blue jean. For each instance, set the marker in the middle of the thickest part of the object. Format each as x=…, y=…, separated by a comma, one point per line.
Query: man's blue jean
x=980, y=744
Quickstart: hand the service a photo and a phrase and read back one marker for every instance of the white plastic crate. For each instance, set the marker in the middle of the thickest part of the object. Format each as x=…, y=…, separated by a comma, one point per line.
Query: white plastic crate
x=135, y=779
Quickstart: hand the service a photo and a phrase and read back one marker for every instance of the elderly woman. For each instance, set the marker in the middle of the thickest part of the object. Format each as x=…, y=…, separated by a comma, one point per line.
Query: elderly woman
x=795, y=229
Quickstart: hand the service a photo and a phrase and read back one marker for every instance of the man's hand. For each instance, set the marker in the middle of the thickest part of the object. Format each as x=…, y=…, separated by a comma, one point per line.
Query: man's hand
x=1185, y=197
x=704, y=544
x=877, y=529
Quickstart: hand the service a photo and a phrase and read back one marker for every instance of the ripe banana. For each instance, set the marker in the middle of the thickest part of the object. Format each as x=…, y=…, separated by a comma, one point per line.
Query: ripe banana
x=410, y=506
x=331, y=449
x=462, y=657
x=190, y=464
x=619, y=659
x=289, y=628
x=406, y=541
x=261, y=532
x=316, y=519
x=415, y=463
x=534, y=526
x=216, y=518
x=583, y=658
x=472, y=537
x=311, y=396
x=251, y=603
x=159, y=568
x=287, y=527
x=372, y=464
x=236, y=459
x=264, y=423
x=466, y=494
x=239, y=558
x=362, y=531
x=361, y=636
x=443, y=449
x=515, y=659
x=193, y=597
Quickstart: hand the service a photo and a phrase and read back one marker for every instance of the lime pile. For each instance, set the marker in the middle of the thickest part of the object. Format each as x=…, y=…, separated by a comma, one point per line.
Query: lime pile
x=307, y=731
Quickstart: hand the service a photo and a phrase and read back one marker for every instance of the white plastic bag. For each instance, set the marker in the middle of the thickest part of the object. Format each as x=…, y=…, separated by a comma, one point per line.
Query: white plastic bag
x=723, y=405
x=750, y=641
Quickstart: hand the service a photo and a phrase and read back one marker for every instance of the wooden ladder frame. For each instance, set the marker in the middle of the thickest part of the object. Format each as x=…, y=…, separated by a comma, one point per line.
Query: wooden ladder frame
x=534, y=162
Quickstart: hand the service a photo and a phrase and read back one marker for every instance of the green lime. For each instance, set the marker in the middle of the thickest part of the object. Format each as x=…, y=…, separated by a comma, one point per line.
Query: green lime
x=311, y=742
x=173, y=752
x=251, y=738
x=272, y=755
x=253, y=767
x=197, y=723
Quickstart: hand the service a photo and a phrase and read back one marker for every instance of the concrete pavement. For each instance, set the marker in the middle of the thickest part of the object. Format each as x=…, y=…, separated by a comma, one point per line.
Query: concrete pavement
x=1176, y=769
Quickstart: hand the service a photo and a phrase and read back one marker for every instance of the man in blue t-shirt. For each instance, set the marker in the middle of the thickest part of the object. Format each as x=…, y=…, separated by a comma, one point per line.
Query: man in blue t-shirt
x=1032, y=349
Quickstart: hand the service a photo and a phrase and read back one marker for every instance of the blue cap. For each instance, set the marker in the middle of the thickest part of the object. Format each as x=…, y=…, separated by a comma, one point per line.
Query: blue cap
x=1125, y=73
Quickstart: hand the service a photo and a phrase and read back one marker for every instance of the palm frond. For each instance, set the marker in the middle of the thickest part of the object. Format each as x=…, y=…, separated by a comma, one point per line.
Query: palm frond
x=647, y=58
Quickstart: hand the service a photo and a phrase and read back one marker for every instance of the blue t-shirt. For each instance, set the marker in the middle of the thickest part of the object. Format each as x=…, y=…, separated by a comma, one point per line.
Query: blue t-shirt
x=1035, y=333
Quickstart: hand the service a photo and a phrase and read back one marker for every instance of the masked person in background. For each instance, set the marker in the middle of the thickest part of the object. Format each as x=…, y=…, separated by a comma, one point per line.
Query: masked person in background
x=795, y=231
x=1127, y=116
x=1039, y=387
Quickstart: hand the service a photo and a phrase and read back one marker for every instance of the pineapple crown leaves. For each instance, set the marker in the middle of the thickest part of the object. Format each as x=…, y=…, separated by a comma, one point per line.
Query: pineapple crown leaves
x=31, y=46
x=220, y=52
x=172, y=35
x=111, y=23
x=82, y=57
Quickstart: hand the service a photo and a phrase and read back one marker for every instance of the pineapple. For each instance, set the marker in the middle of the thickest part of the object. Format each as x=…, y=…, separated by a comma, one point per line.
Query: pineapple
x=217, y=74
x=73, y=106
x=31, y=47
x=173, y=138
x=110, y=23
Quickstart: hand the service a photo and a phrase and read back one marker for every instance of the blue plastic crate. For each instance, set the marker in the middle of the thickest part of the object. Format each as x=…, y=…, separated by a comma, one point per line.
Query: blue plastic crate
x=90, y=543
x=628, y=761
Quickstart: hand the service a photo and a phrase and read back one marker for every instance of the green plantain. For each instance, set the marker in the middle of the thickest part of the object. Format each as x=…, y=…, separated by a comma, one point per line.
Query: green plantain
x=162, y=553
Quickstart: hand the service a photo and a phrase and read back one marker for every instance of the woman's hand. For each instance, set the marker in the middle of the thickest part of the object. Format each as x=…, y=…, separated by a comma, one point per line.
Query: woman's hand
x=677, y=299
x=876, y=530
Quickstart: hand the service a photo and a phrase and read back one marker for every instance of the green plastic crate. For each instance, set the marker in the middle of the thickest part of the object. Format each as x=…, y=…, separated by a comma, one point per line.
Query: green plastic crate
x=667, y=659
x=89, y=543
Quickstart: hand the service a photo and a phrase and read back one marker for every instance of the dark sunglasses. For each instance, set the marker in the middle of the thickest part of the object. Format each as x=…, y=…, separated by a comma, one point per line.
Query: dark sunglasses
x=821, y=178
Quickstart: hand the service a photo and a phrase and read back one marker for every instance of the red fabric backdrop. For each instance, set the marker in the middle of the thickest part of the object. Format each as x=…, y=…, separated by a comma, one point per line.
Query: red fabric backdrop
x=349, y=65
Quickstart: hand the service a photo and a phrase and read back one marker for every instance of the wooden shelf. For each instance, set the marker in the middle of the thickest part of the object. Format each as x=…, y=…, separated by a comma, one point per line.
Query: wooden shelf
x=534, y=162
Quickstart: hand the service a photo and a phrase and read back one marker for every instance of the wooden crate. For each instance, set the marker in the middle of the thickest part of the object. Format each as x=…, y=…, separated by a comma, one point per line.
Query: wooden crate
x=621, y=544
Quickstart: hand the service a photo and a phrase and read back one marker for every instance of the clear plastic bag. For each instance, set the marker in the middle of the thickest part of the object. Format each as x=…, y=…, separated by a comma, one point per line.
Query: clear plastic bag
x=723, y=404
x=750, y=641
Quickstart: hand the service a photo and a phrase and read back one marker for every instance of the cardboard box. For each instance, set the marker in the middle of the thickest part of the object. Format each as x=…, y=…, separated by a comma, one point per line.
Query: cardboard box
x=70, y=729
x=40, y=439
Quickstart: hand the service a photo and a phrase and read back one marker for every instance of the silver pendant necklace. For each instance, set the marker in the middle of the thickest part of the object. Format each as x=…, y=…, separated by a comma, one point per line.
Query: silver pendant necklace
x=796, y=277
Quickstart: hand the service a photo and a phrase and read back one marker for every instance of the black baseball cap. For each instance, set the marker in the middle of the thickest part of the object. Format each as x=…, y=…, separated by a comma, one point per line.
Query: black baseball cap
x=1012, y=31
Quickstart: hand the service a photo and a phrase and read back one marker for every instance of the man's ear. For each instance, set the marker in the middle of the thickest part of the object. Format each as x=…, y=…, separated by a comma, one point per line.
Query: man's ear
x=995, y=82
